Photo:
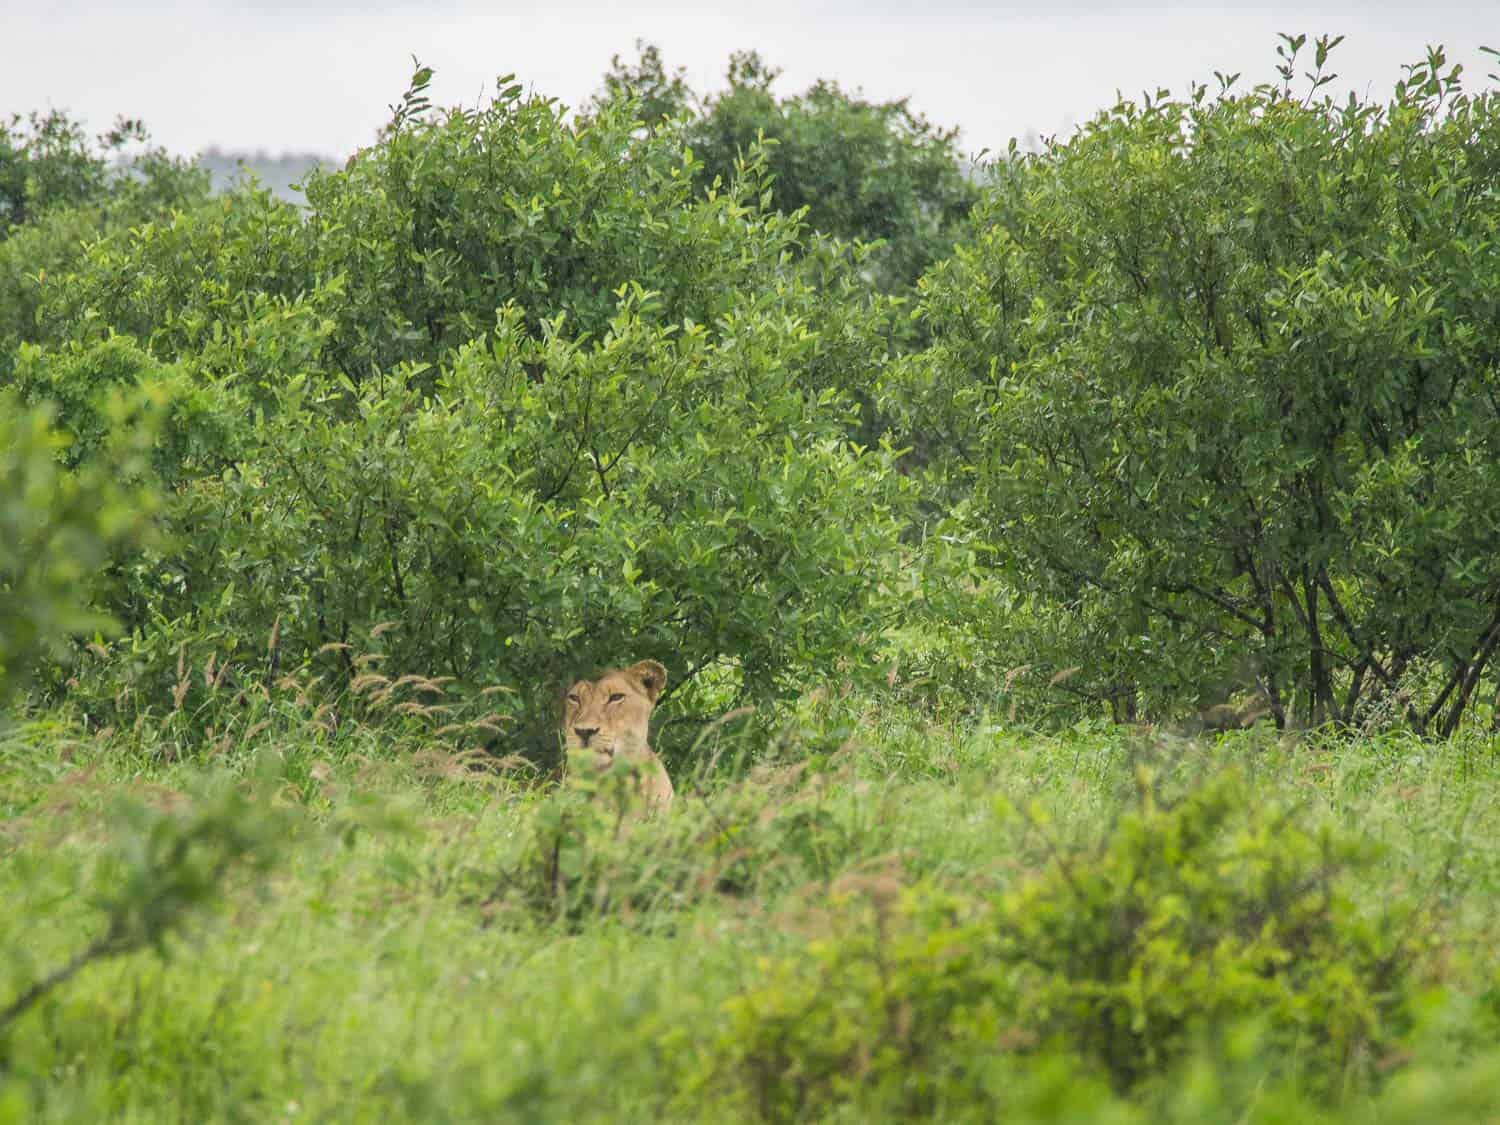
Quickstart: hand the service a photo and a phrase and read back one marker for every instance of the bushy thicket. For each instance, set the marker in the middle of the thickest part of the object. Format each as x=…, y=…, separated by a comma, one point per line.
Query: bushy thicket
x=1217, y=389
x=1208, y=406
x=59, y=190
x=858, y=169
x=75, y=483
x=512, y=389
x=1207, y=401
x=48, y=163
x=1190, y=921
x=57, y=528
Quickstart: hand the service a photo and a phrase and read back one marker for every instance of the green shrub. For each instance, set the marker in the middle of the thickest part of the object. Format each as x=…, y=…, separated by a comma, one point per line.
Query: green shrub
x=49, y=164
x=859, y=169
x=189, y=281
x=416, y=243
x=1201, y=915
x=1189, y=921
x=57, y=527
x=58, y=193
x=1219, y=376
x=539, y=508
x=514, y=394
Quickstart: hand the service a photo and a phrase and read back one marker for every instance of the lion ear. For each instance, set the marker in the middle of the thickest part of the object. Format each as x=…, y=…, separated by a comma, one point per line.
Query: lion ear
x=650, y=675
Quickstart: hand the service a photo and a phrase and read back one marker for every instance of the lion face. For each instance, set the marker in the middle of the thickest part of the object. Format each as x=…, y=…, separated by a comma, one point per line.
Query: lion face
x=610, y=715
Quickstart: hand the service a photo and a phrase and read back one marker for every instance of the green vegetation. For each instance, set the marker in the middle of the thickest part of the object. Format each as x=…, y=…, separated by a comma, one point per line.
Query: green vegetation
x=950, y=542
x=954, y=925
x=872, y=171
x=56, y=528
x=1219, y=381
x=59, y=191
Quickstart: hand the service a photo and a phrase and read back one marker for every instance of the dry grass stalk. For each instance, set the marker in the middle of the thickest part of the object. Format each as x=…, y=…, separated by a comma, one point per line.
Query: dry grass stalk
x=423, y=683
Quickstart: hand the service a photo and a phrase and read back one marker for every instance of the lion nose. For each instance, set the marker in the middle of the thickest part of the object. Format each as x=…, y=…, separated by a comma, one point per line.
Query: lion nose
x=585, y=733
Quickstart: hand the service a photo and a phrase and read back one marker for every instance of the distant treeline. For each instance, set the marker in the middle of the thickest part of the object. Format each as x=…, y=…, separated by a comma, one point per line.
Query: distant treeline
x=228, y=168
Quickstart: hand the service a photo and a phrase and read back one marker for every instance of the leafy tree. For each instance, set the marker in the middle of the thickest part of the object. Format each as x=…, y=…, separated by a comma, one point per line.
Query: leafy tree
x=1221, y=379
x=410, y=250
x=512, y=399
x=183, y=283
x=60, y=191
x=862, y=169
x=47, y=161
x=56, y=528
x=661, y=96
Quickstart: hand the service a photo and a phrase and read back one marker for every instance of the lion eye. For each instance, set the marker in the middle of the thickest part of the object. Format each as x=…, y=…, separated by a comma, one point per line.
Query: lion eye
x=572, y=699
x=615, y=697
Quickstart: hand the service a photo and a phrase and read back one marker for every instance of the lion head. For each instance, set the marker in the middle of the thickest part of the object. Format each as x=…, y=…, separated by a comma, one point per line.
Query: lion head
x=609, y=717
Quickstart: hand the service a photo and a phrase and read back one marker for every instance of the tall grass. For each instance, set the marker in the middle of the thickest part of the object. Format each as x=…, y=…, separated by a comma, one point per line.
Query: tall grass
x=442, y=942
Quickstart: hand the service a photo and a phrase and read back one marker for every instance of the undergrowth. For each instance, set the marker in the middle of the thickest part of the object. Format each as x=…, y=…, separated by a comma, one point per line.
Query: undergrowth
x=957, y=923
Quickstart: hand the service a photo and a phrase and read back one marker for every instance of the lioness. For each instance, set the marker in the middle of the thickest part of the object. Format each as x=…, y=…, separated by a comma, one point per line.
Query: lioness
x=609, y=717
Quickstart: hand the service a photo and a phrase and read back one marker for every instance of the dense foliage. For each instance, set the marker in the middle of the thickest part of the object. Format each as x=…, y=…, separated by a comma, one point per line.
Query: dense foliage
x=857, y=169
x=58, y=191
x=1187, y=921
x=510, y=384
x=57, y=527
x=1220, y=382
x=305, y=513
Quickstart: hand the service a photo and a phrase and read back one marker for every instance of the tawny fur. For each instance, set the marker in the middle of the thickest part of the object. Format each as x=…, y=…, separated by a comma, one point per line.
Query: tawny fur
x=609, y=717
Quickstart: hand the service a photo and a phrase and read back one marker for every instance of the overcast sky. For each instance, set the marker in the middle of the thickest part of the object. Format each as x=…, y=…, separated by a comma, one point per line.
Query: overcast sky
x=286, y=76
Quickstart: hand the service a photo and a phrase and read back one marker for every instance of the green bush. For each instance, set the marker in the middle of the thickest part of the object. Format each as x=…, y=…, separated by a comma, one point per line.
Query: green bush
x=189, y=281
x=858, y=169
x=48, y=163
x=513, y=395
x=1203, y=914
x=1190, y=921
x=411, y=248
x=57, y=527
x=58, y=193
x=1219, y=376
x=448, y=219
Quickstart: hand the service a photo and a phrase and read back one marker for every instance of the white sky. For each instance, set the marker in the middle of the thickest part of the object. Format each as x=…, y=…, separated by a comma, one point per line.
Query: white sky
x=287, y=76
